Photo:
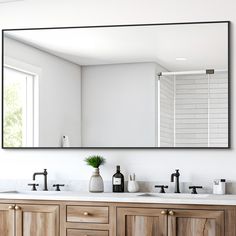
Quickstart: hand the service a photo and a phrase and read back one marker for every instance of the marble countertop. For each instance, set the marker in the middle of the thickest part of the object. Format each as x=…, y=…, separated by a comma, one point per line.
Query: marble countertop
x=198, y=199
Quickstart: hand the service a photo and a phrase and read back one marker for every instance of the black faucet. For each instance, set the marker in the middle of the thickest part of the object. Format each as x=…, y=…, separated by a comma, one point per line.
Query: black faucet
x=44, y=173
x=176, y=174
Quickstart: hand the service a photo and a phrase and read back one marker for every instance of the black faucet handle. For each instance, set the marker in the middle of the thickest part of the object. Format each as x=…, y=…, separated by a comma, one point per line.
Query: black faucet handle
x=194, y=189
x=33, y=186
x=162, y=188
x=58, y=186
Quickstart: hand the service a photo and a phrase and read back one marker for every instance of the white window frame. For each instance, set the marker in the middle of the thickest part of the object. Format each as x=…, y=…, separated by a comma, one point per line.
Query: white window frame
x=31, y=136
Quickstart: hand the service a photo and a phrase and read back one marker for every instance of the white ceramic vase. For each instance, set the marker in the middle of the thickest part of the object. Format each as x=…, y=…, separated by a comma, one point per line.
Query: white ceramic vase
x=96, y=182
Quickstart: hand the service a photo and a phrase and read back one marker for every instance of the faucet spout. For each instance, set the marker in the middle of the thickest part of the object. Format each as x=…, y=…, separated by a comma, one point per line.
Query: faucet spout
x=172, y=177
x=176, y=175
x=44, y=173
x=34, y=175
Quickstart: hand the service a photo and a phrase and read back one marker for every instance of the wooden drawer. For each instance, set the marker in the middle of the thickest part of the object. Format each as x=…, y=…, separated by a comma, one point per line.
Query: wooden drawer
x=83, y=232
x=88, y=214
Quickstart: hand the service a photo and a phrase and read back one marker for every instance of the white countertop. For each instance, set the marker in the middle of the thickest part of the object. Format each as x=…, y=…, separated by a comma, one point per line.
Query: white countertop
x=198, y=199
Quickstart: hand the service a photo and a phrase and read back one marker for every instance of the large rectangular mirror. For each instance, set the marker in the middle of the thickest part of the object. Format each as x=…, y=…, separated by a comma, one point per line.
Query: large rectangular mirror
x=130, y=86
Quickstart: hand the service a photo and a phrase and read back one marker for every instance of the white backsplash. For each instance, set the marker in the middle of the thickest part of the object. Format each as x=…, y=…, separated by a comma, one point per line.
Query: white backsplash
x=82, y=186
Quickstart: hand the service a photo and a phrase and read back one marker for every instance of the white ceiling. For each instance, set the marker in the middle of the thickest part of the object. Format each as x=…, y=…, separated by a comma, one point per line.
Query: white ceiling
x=204, y=45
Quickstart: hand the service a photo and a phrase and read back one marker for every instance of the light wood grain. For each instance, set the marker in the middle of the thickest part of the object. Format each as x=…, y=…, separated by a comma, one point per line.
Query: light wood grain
x=112, y=220
x=196, y=223
x=226, y=220
x=6, y=220
x=141, y=222
x=81, y=232
x=198, y=227
x=88, y=214
x=37, y=220
x=63, y=223
x=230, y=221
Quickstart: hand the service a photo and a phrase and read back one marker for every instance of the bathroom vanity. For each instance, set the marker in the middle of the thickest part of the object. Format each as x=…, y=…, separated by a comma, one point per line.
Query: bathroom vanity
x=109, y=214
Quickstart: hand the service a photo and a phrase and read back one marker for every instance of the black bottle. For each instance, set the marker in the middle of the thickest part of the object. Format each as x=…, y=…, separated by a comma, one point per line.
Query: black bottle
x=118, y=181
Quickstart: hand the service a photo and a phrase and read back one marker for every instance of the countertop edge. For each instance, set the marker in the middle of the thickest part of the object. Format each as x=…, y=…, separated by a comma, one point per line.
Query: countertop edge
x=226, y=200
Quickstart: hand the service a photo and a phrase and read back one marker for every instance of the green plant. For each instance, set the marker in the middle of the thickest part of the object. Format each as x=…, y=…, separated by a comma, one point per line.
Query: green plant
x=95, y=161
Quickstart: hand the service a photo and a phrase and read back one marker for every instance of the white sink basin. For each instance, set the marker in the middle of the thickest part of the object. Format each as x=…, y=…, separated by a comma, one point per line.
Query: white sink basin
x=31, y=192
x=174, y=195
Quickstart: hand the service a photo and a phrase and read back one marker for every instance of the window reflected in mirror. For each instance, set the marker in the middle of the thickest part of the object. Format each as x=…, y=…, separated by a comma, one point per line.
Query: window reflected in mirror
x=19, y=109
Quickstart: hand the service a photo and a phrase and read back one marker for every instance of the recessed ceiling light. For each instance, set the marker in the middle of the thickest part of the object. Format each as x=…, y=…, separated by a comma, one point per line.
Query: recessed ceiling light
x=180, y=59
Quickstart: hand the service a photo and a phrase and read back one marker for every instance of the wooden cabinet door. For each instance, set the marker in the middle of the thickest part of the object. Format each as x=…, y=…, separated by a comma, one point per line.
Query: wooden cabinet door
x=196, y=223
x=37, y=220
x=141, y=222
x=7, y=220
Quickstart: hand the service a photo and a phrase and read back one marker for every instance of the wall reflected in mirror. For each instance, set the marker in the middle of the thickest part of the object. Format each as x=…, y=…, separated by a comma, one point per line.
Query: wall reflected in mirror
x=142, y=86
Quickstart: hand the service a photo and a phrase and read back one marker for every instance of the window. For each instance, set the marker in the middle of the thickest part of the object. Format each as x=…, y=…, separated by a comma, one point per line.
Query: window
x=20, y=108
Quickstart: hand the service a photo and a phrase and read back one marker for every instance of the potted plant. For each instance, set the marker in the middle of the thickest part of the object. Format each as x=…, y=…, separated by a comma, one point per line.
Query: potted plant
x=96, y=182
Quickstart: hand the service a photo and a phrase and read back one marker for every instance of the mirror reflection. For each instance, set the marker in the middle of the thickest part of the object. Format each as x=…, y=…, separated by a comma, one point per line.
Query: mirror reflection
x=142, y=86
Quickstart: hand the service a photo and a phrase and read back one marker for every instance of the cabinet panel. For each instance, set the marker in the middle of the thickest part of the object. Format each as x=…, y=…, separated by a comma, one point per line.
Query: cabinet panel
x=196, y=223
x=37, y=220
x=6, y=220
x=186, y=226
x=141, y=222
x=88, y=214
x=81, y=232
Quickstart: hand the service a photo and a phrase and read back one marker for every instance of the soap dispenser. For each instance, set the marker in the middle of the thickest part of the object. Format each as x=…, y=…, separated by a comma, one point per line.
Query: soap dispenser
x=118, y=181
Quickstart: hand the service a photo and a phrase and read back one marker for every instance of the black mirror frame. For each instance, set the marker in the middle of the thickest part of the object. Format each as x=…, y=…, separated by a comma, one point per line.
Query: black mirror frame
x=128, y=25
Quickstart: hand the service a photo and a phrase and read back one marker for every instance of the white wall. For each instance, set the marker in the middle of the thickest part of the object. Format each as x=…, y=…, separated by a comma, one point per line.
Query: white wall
x=118, y=104
x=195, y=165
x=59, y=93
